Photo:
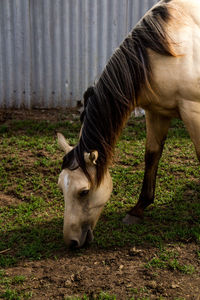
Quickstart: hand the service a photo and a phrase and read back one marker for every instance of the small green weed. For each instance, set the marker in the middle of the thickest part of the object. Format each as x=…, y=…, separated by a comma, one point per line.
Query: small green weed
x=101, y=296
x=169, y=260
x=18, y=279
x=15, y=295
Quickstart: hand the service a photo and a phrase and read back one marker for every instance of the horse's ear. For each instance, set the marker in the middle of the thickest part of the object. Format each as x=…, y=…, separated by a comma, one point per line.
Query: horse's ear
x=91, y=158
x=62, y=142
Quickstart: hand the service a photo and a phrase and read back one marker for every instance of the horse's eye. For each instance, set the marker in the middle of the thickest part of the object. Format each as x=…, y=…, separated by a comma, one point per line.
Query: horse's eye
x=83, y=193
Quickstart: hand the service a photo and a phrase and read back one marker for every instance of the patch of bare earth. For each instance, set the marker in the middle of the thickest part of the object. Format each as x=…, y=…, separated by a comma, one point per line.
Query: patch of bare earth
x=121, y=272
x=53, y=115
x=8, y=200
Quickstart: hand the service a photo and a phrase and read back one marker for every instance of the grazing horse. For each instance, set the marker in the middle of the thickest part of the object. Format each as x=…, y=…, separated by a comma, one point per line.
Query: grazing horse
x=157, y=67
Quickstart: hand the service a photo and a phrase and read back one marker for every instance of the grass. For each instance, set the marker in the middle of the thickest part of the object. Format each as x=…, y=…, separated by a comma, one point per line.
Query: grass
x=31, y=225
x=100, y=296
x=15, y=295
x=169, y=260
x=10, y=293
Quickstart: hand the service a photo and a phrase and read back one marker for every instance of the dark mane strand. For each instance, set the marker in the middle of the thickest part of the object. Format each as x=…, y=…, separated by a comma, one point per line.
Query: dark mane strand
x=109, y=103
x=88, y=93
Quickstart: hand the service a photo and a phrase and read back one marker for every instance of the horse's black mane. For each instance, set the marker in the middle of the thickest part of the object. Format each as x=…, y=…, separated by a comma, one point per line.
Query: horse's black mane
x=108, y=104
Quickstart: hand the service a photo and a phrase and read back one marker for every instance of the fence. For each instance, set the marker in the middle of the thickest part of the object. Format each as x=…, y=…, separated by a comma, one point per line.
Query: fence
x=51, y=50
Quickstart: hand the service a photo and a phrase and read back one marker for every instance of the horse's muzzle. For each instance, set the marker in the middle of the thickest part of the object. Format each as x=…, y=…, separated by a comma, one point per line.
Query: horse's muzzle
x=86, y=238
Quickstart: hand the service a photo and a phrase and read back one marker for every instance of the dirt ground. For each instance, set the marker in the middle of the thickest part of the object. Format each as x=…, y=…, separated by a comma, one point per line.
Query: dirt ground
x=122, y=272
x=39, y=114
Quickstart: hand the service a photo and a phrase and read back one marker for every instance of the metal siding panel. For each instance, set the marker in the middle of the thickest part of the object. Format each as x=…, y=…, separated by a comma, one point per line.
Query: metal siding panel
x=92, y=41
x=71, y=46
x=136, y=10
x=67, y=48
x=75, y=42
x=56, y=92
x=47, y=54
x=27, y=55
x=2, y=61
x=102, y=35
x=11, y=53
x=50, y=51
x=19, y=62
x=37, y=57
x=8, y=51
x=82, y=53
x=64, y=54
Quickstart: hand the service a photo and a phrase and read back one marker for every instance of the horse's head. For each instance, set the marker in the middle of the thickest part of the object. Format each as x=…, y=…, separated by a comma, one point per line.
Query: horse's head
x=83, y=201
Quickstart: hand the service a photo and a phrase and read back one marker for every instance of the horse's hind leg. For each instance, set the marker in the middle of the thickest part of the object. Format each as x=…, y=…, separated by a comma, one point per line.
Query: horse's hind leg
x=157, y=128
x=190, y=114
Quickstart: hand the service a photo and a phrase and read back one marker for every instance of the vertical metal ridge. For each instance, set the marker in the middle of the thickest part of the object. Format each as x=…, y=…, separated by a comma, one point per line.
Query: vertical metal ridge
x=86, y=29
x=2, y=62
x=64, y=55
x=8, y=52
x=82, y=52
x=56, y=60
x=77, y=53
x=20, y=36
x=37, y=62
x=105, y=40
x=47, y=54
x=93, y=41
x=26, y=53
x=67, y=52
x=71, y=45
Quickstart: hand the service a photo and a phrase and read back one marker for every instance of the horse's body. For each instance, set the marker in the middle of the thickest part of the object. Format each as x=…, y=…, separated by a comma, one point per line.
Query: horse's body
x=157, y=67
x=177, y=79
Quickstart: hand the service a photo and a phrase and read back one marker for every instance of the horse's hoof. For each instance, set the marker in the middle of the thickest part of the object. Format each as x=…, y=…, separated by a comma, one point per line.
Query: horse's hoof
x=130, y=220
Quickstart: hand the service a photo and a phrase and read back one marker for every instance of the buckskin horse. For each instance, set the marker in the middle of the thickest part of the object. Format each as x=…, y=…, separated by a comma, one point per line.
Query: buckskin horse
x=157, y=67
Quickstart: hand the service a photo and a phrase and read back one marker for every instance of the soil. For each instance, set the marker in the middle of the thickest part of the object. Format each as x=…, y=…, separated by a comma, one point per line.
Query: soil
x=42, y=114
x=7, y=200
x=122, y=272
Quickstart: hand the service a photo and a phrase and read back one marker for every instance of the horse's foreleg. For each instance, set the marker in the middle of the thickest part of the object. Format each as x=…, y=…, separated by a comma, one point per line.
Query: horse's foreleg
x=157, y=128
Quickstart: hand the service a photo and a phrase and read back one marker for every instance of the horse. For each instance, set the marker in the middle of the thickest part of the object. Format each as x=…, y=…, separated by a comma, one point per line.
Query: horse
x=156, y=67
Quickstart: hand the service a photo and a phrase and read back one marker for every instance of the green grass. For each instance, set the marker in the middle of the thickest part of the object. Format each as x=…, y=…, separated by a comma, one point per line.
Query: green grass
x=101, y=296
x=10, y=293
x=169, y=260
x=31, y=225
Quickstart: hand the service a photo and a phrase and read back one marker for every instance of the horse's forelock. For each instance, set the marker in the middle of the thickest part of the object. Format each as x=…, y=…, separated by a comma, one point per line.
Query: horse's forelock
x=74, y=160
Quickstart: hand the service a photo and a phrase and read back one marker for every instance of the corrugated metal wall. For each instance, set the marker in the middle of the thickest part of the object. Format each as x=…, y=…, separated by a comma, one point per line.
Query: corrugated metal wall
x=51, y=50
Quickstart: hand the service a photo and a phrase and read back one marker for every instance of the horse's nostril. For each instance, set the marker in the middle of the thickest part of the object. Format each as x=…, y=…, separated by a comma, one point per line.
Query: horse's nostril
x=89, y=236
x=74, y=244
